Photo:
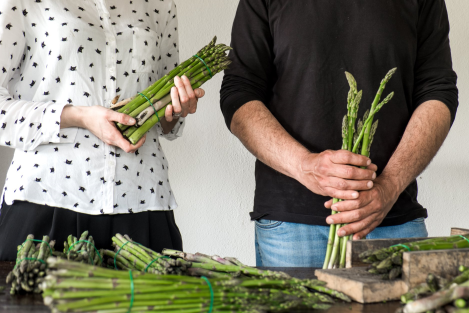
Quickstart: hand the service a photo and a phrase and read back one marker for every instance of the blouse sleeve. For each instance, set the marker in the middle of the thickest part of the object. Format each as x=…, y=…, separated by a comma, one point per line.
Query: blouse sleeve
x=23, y=124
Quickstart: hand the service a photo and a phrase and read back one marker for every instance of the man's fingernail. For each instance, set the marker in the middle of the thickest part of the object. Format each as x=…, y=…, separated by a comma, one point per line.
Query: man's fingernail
x=374, y=175
x=355, y=195
x=132, y=121
x=368, y=162
x=334, y=207
x=370, y=184
x=329, y=220
x=341, y=233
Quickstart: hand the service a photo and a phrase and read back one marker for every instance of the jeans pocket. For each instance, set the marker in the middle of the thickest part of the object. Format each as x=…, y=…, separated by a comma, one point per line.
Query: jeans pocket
x=267, y=224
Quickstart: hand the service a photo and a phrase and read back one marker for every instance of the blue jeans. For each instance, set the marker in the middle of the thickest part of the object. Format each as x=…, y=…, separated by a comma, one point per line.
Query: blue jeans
x=282, y=244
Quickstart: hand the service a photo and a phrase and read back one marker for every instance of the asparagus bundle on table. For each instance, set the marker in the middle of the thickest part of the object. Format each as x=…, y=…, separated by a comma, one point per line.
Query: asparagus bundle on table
x=200, y=68
x=354, y=140
x=128, y=255
x=82, y=249
x=77, y=287
x=439, y=295
x=30, y=265
x=199, y=264
x=388, y=261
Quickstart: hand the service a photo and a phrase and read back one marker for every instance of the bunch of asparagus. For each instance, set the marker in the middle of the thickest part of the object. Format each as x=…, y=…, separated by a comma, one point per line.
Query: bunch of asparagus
x=128, y=255
x=211, y=60
x=357, y=138
x=30, y=265
x=439, y=295
x=387, y=262
x=81, y=249
x=78, y=287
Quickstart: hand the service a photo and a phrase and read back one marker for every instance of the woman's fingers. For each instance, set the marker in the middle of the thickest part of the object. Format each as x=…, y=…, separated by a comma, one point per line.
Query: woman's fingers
x=122, y=118
x=176, y=103
x=168, y=113
x=183, y=97
x=199, y=93
x=192, y=99
x=139, y=144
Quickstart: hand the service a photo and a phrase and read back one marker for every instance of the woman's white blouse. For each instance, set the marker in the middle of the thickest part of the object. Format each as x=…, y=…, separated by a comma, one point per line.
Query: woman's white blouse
x=82, y=52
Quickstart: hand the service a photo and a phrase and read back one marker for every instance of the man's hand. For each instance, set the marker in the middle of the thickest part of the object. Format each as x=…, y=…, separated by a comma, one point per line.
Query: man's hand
x=100, y=121
x=422, y=138
x=367, y=212
x=337, y=174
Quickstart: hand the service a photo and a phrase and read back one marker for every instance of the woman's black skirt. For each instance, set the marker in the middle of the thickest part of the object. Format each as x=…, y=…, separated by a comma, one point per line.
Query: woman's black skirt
x=153, y=229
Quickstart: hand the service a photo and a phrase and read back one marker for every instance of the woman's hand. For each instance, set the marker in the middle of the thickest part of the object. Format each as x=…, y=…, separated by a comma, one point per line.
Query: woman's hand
x=184, y=102
x=100, y=121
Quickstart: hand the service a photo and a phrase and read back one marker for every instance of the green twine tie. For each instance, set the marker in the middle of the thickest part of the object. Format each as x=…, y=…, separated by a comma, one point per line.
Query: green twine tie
x=211, y=293
x=151, y=103
x=464, y=238
x=32, y=259
x=115, y=255
x=92, y=261
x=154, y=260
x=401, y=245
x=208, y=68
x=132, y=291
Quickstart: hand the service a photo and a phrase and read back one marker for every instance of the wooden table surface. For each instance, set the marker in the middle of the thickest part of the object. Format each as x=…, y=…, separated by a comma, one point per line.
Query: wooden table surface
x=33, y=303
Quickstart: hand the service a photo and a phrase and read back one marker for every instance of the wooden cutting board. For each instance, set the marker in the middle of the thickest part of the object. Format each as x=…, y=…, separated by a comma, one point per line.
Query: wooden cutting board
x=364, y=287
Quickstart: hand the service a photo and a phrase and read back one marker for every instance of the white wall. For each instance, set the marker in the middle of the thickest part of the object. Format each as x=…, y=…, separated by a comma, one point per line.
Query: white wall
x=444, y=186
x=212, y=174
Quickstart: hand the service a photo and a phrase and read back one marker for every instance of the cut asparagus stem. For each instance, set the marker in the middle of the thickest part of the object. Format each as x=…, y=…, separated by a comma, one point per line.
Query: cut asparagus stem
x=121, y=104
x=115, y=99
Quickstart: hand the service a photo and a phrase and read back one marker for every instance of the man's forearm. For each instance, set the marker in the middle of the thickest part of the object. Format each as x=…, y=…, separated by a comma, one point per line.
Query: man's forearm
x=329, y=173
x=267, y=140
x=423, y=137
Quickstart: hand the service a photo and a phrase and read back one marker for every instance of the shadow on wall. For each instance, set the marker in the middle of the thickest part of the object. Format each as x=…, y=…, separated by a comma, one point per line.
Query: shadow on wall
x=6, y=154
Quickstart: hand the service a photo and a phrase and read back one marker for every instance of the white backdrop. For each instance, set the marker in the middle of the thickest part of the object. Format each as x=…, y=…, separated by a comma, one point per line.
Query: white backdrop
x=212, y=174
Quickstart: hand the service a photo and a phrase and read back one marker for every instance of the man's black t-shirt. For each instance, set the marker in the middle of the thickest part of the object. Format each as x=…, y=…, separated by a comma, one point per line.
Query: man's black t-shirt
x=292, y=55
